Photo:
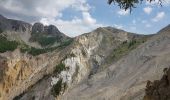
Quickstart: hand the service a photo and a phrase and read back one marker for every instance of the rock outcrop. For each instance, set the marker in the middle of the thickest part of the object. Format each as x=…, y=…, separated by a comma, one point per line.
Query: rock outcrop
x=48, y=30
x=159, y=89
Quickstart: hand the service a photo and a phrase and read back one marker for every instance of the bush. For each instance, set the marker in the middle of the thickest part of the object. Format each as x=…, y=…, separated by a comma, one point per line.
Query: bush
x=60, y=68
x=57, y=88
x=6, y=45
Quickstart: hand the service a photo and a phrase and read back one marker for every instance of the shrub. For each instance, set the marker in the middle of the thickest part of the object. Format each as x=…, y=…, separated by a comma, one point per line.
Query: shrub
x=60, y=68
x=58, y=87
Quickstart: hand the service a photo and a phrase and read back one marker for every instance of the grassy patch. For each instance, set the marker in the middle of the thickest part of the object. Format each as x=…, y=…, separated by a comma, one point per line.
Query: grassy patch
x=57, y=88
x=126, y=47
x=6, y=45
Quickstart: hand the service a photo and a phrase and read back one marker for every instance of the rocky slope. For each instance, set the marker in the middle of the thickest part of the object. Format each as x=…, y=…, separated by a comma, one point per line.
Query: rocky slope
x=88, y=56
x=126, y=79
x=105, y=64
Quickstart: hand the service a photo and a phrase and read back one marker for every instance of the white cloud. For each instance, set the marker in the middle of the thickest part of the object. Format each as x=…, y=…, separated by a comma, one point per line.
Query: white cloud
x=147, y=10
x=159, y=16
x=76, y=26
x=51, y=12
x=123, y=12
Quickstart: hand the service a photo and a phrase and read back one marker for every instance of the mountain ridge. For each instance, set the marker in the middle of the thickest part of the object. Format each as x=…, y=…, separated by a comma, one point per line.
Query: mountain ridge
x=106, y=63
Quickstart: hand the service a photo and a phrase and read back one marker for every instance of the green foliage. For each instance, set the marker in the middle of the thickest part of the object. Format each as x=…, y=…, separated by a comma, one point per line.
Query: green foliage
x=44, y=40
x=126, y=47
x=66, y=43
x=6, y=45
x=60, y=68
x=129, y=4
x=37, y=51
x=57, y=88
x=1, y=30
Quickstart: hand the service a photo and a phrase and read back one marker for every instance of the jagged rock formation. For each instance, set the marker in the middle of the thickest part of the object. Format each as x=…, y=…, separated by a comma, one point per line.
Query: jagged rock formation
x=50, y=30
x=106, y=63
x=159, y=89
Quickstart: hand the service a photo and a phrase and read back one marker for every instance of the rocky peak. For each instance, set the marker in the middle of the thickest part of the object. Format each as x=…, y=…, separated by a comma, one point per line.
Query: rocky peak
x=38, y=28
x=50, y=30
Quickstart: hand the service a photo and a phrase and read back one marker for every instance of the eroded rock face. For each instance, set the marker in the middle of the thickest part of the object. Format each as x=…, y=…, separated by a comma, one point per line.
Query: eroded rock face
x=20, y=71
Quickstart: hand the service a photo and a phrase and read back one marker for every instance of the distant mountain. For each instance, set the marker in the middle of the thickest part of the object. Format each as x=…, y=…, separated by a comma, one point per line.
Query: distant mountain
x=38, y=33
x=13, y=25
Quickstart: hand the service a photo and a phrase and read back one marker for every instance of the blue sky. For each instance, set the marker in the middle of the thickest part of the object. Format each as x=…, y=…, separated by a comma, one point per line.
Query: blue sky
x=75, y=17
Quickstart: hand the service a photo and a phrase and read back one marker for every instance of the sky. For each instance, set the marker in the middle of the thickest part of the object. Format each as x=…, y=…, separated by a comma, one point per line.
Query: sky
x=75, y=17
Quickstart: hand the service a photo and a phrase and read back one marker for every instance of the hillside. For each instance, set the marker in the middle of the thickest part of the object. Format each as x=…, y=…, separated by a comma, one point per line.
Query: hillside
x=39, y=62
x=90, y=54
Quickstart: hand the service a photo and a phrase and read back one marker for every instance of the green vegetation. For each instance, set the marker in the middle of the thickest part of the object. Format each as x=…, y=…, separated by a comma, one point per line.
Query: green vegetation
x=60, y=67
x=1, y=30
x=126, y=47
x=130, y=4
x=37, y=51
x=57, y=88
x=6, y=45
x=66, y=43
x=44, y=40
